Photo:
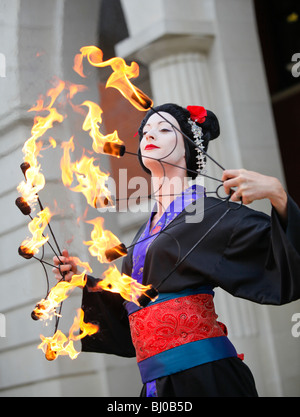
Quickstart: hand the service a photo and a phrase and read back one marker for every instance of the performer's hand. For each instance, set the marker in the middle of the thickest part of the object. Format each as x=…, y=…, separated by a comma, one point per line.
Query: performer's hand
x=66, y=264
x=251, y=186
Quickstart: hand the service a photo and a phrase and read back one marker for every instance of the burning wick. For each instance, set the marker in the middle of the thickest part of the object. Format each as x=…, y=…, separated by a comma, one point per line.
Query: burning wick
x=116, y=252
x=102, y=202
x=114, y=149
x=149, y=295
x=36, y=314
x=50, y=354
x=25, y=252
x=22, y=204
x=141, y=99
x=24, y=166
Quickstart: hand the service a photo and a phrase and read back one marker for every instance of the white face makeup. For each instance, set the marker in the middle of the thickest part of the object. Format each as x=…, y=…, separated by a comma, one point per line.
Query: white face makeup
x=162, y=142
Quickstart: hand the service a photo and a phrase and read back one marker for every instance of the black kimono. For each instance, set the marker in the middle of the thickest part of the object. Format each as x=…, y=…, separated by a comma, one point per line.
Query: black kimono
x=247, y=253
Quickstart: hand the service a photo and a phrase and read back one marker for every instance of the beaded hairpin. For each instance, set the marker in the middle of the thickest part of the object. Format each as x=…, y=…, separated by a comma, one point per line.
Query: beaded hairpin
x=197, y=133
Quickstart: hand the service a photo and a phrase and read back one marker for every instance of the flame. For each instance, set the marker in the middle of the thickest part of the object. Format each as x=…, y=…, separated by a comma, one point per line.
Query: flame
x=101, y=240
x=65, y=163
x=91, y=180
x=52, y=142
x=73, y=89
x=87, y=329
x=78, y=262
x=57, y=345
x=46, y=308
x=43, y=123
x=120, y=77
x=89, y=51
x=35, y=180
x=91, y=123
x=126, y=286
x=61, y=345
x=36, y=228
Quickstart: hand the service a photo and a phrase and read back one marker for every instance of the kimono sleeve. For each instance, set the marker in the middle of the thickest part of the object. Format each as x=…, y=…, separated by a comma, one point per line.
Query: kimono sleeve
x=106, y=310
x=261, y=262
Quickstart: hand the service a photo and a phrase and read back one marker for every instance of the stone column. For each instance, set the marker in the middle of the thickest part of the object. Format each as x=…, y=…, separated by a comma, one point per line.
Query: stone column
x=183, y=78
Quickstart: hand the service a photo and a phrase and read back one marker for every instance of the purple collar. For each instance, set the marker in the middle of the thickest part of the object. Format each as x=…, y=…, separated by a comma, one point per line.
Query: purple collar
x=188, y=196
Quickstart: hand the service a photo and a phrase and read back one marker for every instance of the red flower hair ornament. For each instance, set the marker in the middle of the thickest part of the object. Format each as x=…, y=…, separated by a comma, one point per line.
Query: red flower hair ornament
x=198, y=113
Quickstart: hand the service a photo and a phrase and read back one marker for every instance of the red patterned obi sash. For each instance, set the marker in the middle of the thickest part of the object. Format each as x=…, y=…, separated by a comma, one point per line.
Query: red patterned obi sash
x=176, y=332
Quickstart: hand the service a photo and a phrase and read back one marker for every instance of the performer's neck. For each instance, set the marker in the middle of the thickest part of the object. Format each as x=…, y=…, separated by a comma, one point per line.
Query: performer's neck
x=165, y=189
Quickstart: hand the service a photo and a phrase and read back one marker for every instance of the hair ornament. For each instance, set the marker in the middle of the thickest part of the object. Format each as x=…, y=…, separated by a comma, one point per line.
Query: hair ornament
x=198, y=114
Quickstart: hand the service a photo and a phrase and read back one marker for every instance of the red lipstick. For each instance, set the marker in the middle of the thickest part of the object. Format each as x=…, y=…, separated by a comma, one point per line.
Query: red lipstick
x=151, y=146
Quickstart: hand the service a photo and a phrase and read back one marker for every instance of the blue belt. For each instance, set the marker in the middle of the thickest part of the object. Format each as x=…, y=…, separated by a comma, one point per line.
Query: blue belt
x=185, y=357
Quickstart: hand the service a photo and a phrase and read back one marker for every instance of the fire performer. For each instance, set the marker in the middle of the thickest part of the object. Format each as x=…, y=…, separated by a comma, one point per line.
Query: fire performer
x=181, y=348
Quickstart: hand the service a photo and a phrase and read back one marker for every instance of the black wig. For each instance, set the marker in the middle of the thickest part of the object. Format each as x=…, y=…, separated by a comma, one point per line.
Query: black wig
x=210, y=128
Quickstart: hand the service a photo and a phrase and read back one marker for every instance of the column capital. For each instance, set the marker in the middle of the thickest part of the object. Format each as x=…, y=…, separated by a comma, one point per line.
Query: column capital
x=166, y=39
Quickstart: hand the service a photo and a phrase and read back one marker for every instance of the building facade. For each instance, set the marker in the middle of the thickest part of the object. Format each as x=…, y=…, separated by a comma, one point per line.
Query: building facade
x=206, y=52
